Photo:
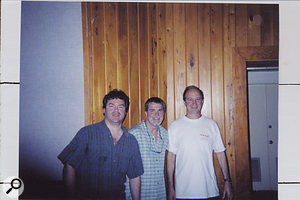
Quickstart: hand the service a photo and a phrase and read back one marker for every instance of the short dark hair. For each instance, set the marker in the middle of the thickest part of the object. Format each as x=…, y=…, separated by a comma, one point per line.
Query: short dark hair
x=191, y=87
x=116, y=94
x=155, y=100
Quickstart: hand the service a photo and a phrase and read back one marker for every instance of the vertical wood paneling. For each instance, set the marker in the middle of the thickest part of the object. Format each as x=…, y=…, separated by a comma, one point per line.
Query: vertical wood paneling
x=144, y=59
x=240, y=127
x=192, y=68
x=229, y=43
x=204, y=56
x=217, y=72
x=122, y=69
x=217, y=65
x=85, y=45
x=134, y=87
x=254, y=25
x=241, y=25
x=267, y=31
x=111, y=46
x=90, y=66
x=276, y=24
x=98, y=58
x=157, y=49
x=162, y=57
x=179, y=58
x=153, y=68
x=170, y=63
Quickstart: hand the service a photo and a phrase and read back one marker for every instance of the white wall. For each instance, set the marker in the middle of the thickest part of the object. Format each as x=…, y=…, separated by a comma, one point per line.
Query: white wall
x=9, y=90
x=289, y=99
x=51, y=85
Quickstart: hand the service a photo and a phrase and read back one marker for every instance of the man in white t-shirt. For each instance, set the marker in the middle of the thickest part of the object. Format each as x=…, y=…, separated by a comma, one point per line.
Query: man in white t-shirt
x=192, y=140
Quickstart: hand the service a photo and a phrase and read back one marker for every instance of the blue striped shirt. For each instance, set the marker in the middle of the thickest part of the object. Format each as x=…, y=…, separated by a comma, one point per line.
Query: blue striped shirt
x=101, y=167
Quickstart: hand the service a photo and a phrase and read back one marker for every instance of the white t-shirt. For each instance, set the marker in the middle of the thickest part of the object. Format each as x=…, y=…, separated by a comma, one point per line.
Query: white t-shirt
x=194, y=141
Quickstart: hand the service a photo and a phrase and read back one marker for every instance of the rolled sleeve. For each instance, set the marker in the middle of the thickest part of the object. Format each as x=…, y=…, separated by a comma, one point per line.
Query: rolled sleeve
x=135, y=167
x=73, y=153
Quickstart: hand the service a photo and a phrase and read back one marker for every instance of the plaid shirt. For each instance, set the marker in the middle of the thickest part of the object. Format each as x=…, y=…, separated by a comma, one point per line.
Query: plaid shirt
x=153, y=156
x=101, y=167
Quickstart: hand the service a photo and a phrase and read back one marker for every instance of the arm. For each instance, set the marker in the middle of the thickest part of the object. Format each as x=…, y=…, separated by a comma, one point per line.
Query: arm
x=171, y=158
x=135, y=187
x=69, y=179
x=224, y=167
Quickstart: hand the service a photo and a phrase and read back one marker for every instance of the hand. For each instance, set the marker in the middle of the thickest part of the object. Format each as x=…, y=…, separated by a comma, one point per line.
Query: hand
x=171, y=194
x=228, y=192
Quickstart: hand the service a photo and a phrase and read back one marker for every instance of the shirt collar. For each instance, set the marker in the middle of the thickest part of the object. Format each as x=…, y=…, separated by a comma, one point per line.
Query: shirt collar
x=125, y=132
x=150, y=134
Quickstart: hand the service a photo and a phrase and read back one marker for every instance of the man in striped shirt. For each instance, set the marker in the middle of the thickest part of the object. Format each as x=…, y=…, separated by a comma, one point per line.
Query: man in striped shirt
x=100, y=156
x=153, y=142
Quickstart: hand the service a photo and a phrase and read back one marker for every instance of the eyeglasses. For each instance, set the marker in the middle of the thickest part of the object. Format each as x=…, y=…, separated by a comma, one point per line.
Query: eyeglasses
x=156, y=147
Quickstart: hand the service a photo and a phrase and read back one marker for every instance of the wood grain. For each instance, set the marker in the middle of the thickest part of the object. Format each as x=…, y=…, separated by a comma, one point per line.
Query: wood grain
x=90, y=65
x=153, y=51
x=170, y=63
x=229, y=42
x=179, y=58
x=267, y=31
x=144, y=55
x=204, y=29
x=254, y=25
x=162, y=57
x=241, y=25
x=192, y=67
x=122, y=64
x=98, y=59
x=157, y=49
x=85, y=40
x=133, y=64
x=217, y=79
x=240, y=127
x=111, y=46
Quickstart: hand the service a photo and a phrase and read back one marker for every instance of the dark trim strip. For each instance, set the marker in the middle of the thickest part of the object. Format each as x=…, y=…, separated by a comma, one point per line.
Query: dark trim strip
x=4, y=182
x=289, y=84
x=289, y=183
x=262, y=68
x=10, y=83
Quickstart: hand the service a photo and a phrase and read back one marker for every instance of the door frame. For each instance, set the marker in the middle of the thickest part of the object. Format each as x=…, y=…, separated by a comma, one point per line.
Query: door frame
x=240, y=55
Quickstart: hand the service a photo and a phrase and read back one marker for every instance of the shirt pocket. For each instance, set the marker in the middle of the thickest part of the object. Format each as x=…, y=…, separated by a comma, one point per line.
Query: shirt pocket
x=103, y=159
x=97, y=159
x=123, y=163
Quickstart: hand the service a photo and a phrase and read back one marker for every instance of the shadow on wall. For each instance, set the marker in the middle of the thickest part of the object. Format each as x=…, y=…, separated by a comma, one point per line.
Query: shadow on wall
x=37, y=185
x=51, y=92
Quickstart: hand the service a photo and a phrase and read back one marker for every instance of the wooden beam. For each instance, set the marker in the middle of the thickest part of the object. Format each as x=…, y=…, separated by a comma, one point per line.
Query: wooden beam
x=240, y=112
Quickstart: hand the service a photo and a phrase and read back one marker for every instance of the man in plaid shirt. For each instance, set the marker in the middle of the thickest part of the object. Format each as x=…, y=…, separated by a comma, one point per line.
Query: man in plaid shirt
x=153, y=142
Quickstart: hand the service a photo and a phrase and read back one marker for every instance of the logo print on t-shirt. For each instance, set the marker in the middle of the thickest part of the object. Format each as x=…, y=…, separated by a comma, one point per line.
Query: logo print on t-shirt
x=204, y=135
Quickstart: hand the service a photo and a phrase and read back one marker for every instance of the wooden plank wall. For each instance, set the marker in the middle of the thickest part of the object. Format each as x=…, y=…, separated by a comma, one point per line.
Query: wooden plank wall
x=157, y=49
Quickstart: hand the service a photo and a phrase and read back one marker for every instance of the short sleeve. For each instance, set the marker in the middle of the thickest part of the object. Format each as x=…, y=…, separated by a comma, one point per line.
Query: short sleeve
x=135, y=167
x=218, y=145
x=73, y=153
x=172, y=147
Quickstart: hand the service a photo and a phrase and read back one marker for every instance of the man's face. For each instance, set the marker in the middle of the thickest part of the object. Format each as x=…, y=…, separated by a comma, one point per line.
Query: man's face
x=115, y=111
x=155, y=114
x=193, y=102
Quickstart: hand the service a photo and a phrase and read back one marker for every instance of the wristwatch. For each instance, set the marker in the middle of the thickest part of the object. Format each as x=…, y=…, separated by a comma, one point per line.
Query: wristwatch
x=228, y=180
